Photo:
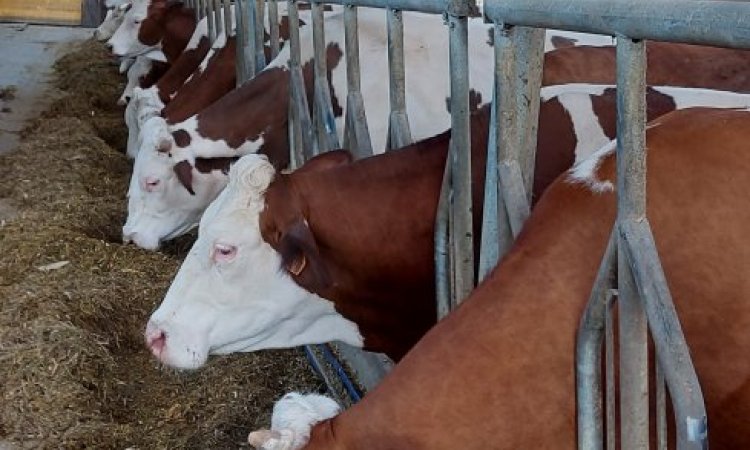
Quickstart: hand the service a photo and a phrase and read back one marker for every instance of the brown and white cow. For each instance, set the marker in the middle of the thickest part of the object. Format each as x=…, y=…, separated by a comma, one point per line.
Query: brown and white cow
x=290, y=259
x=499, y=371
x=154, y=24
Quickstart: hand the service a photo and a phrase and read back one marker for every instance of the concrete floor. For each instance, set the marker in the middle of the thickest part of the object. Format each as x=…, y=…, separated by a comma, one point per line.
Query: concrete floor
x=26, y=56
x=27, y=53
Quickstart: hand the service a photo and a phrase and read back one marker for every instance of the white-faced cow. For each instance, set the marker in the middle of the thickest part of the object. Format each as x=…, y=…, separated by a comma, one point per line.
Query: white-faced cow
x=499, y=371
x=273, y=246
x=116, y=10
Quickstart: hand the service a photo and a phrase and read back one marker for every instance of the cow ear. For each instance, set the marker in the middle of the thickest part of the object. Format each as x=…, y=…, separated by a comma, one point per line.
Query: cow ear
x=184, y=172
x=327, y=161
x=301, y=258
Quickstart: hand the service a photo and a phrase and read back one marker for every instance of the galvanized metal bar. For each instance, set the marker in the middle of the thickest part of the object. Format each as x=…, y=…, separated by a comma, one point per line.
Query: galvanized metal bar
x=631, y=205
x=610, y=407
x=273, y=26
x=368, y=368
x=250, y=28
x=324, y=121
x=669, y=341
x=661, y=409
x=197, y=9
x=300, y=124
x=429, y=6
x=463, y=229
x=720, y=23
x=399, y=134
x=588, y=352
x=529, y=60
x=209, y=8
x=489, y=251
x=228, y=19
x=217, y=11
x=240, y=33
x=443, y=278
x=513, y=206
x=259, y=35
x=356, y=132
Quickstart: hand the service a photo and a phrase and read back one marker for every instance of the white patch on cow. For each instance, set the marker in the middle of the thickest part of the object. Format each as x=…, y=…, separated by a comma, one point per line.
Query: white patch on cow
x=694, y=97
x=292, y=420
x=124, y=41
x=201, y=31
x=585, y=170
x=126, y=63
x=248, y=303
x=576, y=99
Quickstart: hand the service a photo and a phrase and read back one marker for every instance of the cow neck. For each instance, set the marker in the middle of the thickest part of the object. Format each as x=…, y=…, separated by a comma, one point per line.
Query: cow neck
x=207, y=87
x=384, y=260
x=181, y=69
x=179, y=23
x=518, y=378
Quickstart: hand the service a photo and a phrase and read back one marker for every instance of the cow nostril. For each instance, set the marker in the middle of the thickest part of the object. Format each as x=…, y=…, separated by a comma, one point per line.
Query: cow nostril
x=156, y=340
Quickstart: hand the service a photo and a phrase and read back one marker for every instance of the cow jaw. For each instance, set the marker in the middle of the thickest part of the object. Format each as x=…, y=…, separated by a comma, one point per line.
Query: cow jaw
x=224, y=301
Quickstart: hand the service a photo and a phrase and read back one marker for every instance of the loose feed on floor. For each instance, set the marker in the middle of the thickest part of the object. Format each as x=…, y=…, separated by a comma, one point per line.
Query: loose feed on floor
x=74, y=372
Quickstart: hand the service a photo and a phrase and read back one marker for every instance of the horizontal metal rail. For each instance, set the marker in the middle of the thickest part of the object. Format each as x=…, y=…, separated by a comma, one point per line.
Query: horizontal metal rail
x=720, y=23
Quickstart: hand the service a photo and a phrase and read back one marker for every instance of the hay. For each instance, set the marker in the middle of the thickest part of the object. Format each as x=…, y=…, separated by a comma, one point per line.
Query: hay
x=74, y=372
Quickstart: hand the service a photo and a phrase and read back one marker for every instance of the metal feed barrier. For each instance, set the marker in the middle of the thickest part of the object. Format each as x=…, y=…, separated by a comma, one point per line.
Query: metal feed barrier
x=631, y=258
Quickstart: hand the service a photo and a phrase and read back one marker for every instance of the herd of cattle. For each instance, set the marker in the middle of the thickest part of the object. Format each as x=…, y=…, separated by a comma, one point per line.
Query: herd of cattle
x=343, y=250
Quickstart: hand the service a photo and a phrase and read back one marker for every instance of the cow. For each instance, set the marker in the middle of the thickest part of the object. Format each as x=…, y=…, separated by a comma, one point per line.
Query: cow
x=277, y=253
x=498, y=372
x=116, y=10
x=154, y=24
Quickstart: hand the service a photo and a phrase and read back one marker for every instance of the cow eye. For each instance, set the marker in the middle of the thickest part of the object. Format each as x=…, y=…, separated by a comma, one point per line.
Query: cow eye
x=224, y=253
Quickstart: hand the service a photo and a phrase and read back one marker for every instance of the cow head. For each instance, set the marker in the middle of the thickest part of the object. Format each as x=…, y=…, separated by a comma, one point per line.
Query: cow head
x=168, y=189
x=116, y=11
x=124, y=42
x=232, y=293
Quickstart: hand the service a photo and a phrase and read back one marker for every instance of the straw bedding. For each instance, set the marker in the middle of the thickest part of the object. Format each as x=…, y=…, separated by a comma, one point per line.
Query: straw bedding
x=74, y=372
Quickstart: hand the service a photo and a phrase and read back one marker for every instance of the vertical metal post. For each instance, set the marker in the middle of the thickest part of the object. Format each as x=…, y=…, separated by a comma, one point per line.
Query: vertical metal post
x=209, y=14
x=399, y=134
x=228, y=19
x=356, y=132
x=324, y=121
x=489, y=253
x=273, y=24
x=631, y=206
x=300, y=125
x=239, y=12
x=530, y=52
x=463, y=230
x=218, y=22
x=248, y=37
x=197, y=8
x=259, y=35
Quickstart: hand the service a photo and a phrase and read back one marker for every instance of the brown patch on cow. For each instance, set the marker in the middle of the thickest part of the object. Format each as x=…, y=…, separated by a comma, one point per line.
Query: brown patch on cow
x=158, y=69
x=181, y=138
x=605, y=108
x=556, y=143
x=208, y=165
x=170, y=24
x=184, y=172
x=563, y=42
x=202, y=90
x=475, y=101
x=308, y=7
x=188, y=63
